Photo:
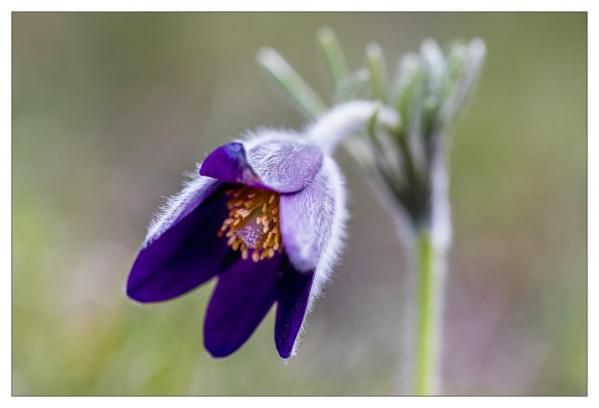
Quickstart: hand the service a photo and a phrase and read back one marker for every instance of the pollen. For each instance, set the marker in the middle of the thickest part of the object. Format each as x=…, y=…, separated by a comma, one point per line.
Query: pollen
x=252, y=226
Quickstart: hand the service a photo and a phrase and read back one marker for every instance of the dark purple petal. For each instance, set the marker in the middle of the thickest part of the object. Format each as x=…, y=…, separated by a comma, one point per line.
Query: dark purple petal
x=293, y=295
x=282, y=164
x=312, y=220
x=182, y=250
x=228, y=163
x=243, y=296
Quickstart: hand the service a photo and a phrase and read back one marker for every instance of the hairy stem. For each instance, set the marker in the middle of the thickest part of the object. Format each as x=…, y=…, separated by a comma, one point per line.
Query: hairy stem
x=346, y=119
x=429, y=264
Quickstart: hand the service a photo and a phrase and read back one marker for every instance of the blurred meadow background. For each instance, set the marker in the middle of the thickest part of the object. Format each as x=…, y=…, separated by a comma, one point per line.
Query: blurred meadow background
x=110, y=109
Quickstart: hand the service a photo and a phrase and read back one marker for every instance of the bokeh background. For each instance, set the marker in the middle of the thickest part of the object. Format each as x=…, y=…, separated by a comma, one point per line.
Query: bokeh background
x=110, y=109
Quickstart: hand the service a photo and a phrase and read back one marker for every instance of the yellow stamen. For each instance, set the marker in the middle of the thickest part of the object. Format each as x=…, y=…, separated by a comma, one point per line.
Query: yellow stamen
x=252, y=226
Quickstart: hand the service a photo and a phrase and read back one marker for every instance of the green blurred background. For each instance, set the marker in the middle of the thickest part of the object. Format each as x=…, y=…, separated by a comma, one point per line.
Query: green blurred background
x=110, y=109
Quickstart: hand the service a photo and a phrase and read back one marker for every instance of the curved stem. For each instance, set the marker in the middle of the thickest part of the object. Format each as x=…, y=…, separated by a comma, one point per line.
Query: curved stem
x=343, y=120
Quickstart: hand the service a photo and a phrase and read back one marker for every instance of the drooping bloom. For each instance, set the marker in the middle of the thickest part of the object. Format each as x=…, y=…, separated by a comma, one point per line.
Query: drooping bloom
x=265, y=216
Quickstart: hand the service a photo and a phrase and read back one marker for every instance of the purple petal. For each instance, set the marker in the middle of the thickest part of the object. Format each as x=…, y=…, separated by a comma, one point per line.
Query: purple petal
x=181, y=250
x=274, y=160
x=292, y=301
x=312, y=221
x=228, y=163
x=243, y=296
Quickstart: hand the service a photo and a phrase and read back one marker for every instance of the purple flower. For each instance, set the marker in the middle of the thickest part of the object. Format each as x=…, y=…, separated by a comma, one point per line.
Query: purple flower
x=265, y=216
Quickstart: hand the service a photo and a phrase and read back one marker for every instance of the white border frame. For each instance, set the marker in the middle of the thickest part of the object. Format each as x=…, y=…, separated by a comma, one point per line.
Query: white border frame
x=305, y=5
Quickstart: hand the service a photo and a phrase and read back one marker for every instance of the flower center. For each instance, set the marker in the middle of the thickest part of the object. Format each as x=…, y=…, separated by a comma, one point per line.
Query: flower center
x=253, y=223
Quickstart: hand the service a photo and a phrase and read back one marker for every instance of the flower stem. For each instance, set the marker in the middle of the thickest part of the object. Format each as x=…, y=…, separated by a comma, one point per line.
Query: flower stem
x=429, y=294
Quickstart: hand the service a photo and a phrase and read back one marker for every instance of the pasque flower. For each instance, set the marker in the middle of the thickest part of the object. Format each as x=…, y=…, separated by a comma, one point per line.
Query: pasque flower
x=265, y=215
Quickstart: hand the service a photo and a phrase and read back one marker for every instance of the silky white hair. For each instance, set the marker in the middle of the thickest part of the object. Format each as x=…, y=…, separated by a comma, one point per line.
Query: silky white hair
x=177, y=205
